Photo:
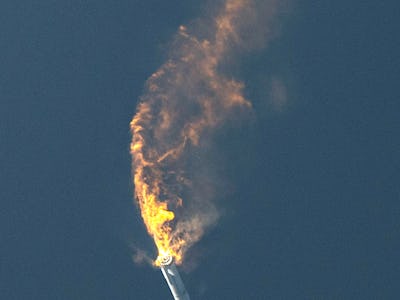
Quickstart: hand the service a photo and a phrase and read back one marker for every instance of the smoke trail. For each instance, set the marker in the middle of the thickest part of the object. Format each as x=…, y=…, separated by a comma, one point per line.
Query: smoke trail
x=184, y=101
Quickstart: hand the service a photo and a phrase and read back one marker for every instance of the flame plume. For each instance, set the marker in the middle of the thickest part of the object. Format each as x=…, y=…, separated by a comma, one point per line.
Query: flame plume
x=184, y=100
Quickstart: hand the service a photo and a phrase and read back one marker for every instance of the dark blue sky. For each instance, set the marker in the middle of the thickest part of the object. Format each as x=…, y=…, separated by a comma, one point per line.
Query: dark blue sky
x=313, y=206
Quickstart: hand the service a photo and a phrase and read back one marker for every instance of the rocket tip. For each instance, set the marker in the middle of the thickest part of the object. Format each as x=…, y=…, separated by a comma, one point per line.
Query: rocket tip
x=165, y=260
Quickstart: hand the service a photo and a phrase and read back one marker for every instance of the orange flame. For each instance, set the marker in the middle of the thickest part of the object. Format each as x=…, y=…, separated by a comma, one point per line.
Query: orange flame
x=154, y=212
x=185, y=99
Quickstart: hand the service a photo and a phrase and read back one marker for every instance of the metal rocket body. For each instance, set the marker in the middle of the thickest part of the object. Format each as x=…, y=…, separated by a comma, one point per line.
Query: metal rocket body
x=173, y=278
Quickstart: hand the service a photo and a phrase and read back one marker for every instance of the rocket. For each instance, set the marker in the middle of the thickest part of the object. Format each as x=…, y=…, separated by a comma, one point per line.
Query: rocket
x=173, y=278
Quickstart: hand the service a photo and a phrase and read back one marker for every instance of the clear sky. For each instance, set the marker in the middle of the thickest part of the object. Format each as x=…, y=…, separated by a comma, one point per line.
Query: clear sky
x=311, y=201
